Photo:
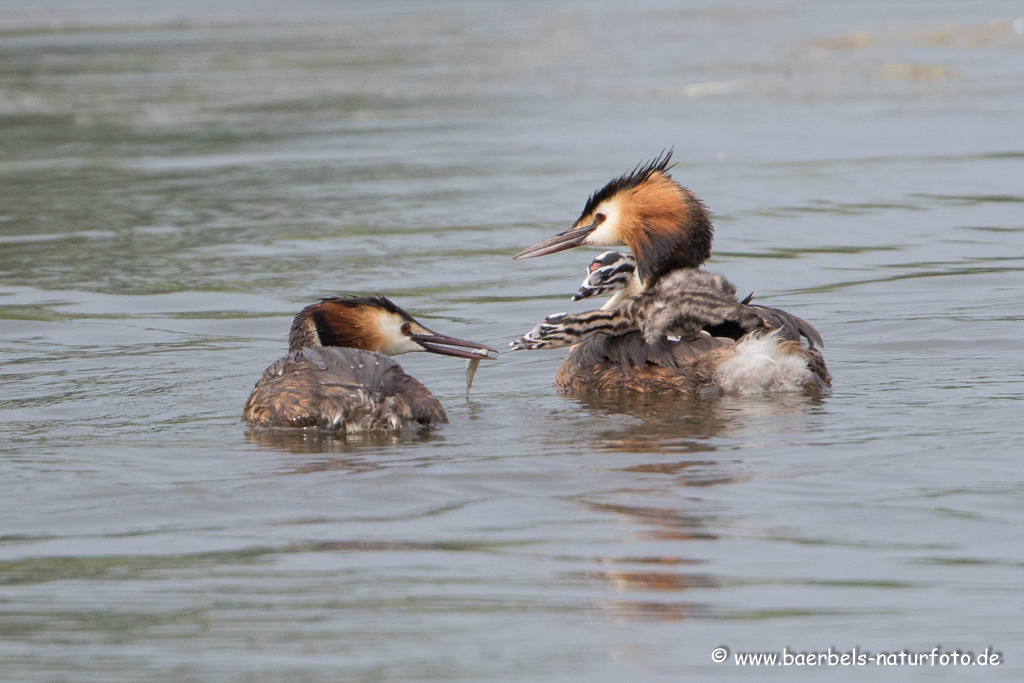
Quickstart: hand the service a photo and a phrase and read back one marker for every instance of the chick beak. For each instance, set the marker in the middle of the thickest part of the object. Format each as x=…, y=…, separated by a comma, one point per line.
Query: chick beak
x=567, y=239
x=430, y=343
x=584, y=292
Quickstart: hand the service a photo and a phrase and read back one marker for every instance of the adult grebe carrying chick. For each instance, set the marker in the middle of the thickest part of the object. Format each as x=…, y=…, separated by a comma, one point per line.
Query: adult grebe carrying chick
x=672, y=326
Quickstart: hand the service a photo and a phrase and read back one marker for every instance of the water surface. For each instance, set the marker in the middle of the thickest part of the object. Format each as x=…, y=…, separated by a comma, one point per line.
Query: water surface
x=176, y=183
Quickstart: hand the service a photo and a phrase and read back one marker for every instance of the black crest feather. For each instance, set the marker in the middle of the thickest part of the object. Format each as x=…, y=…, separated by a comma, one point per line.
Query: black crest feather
x=376, y=301
x=636, y=177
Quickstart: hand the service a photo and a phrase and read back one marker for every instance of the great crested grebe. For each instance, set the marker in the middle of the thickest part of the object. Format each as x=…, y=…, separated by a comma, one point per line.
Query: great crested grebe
x=337, y=374
x=671, y=327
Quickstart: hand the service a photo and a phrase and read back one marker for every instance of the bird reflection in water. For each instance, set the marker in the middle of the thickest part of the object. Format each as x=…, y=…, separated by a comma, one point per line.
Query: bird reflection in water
x=351, y=452
x=661, y=506
x=657, y=573
x=661, y=423
x=664, y=423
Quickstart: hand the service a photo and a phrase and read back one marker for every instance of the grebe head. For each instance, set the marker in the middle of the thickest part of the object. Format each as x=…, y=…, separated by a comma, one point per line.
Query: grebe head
x=663, y=224
x=373, y=324
x=611, y=271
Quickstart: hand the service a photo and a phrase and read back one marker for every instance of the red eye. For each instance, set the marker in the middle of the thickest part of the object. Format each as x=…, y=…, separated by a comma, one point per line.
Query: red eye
x=406, y=329
x=599, y=218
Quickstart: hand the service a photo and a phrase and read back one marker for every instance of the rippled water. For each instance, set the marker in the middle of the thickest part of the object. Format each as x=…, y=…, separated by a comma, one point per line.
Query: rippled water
x=176, y=183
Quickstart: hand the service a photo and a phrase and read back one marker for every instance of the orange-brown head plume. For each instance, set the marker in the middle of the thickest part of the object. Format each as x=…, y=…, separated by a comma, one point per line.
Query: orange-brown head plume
x=371, y=324
x=665, y=225
x=350, y=322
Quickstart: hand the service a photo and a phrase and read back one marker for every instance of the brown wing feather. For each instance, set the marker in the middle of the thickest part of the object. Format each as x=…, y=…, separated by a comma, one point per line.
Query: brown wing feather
x=792, y=326
x=628, y=362
x=340, y=388
x=747, y=318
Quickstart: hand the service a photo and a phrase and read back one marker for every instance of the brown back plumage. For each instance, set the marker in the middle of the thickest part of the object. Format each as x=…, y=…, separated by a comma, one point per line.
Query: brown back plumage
x=675, y=336
x=629, y=363
x=340, y=388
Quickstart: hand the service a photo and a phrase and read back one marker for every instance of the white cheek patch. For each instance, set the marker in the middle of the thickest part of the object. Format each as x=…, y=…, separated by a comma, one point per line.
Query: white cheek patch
x=606, y=234
x=395, y=343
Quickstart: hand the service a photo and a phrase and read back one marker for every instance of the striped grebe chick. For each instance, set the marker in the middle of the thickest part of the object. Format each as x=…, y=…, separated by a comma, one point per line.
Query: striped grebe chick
x=610, y=271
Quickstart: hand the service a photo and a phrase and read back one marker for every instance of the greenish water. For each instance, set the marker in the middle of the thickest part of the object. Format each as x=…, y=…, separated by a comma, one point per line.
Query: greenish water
x=175, y=183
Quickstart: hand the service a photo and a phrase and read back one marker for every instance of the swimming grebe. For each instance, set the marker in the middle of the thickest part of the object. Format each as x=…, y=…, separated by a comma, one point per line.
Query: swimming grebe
x=336, y=374
x=672, y=327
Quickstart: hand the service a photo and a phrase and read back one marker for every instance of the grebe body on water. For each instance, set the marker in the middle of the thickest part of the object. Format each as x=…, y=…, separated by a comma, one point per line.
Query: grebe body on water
x=338, y=374
x=671, y=326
